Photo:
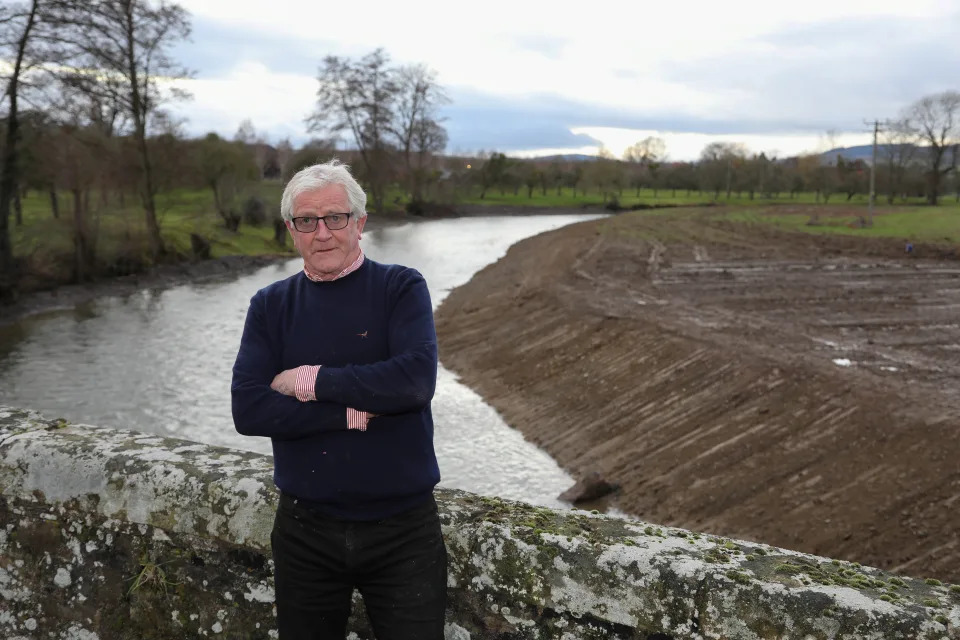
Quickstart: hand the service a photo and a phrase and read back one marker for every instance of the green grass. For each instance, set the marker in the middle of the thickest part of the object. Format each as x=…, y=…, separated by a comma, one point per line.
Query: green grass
x=662, y=197
x=940, y=224
x=45, y=244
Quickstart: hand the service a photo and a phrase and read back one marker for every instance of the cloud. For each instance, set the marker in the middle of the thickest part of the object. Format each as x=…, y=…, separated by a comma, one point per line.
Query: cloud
x=834, y=74
x=276, y=103
x=546, y=45
x=556, y=78
x=215, y=49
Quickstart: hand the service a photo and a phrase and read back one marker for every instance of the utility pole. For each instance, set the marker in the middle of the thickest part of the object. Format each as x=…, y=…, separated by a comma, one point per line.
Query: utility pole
x=873, y=171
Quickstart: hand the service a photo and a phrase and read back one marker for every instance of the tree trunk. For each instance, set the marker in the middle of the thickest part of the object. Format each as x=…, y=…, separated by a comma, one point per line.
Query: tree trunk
x=54, y=202
x=933, y=189
x=140, y=135
x=149, y=204
x=10, y=166
x=18, y=207
x=933, y=179
x=82, y=249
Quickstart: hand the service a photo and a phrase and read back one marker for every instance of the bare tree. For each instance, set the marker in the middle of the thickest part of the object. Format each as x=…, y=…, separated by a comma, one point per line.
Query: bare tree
x=429, y=138
x=21, y=29
x=417, y=127
x=492, y=172
x=284, y=153
x=647, y=156
x=937, y=119
x=606, y=174
x=128, y=43
x=898, y=151
x=246, y=132
x=76, y=158
x=650, y=149
x=265, y=156
x=359, y=98
x=225, y=167
x=718, y=163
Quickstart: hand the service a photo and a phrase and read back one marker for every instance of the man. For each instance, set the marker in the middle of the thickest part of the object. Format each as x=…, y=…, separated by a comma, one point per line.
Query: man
x=338, y=365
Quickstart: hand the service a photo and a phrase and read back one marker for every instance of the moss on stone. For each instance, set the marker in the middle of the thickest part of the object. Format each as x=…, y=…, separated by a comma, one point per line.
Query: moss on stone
x=739, y=577
x=516, y=571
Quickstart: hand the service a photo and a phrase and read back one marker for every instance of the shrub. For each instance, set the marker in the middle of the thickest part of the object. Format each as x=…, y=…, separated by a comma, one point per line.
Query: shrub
x=254, y=212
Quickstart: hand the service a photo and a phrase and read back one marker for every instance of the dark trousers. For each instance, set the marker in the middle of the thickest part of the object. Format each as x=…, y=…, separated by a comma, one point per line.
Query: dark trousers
x=398, y=564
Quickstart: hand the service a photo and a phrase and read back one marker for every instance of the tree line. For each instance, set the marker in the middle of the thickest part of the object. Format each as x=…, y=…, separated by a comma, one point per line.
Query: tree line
x=917, y=158
x=85, y=121
x=87, y=83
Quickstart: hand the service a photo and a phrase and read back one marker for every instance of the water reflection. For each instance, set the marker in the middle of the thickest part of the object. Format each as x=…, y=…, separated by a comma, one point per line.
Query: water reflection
x=159, y=360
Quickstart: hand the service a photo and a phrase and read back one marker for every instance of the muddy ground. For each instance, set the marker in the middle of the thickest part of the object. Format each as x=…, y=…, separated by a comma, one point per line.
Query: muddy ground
x=793, y=389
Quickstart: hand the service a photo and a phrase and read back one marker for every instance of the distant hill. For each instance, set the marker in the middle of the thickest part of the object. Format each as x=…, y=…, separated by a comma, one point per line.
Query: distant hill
x=566, y=157
x=862, y=152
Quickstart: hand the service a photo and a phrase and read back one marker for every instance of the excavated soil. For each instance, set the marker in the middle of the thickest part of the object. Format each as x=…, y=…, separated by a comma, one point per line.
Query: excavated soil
x=794, y=389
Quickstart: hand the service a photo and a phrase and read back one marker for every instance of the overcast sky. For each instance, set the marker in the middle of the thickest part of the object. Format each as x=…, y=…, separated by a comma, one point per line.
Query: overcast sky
x=531, y=77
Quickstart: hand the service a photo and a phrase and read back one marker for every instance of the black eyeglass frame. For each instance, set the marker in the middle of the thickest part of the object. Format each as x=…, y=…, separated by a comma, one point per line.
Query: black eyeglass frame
x=316, y=222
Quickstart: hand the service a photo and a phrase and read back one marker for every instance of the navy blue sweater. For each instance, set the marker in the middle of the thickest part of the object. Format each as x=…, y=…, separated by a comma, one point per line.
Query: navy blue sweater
x=372, y=331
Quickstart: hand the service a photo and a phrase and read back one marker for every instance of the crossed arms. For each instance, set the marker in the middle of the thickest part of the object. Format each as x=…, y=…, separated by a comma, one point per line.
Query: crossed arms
x=264, y=401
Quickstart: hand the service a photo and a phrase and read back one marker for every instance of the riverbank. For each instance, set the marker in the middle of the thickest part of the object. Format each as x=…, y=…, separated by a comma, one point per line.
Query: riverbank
x=169, y=274
x=69, y=295
x=164, y=276
x=796, y=389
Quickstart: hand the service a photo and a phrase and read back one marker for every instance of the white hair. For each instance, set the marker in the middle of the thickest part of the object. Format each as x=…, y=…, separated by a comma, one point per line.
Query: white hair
x=319, y=176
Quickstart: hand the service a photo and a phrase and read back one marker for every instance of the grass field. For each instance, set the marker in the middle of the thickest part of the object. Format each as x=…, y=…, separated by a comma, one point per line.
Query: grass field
x=940, y=224
x=45, y=245
x=662, y=197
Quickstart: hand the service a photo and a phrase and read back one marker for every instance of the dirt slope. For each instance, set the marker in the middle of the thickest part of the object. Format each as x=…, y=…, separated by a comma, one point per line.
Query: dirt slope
x=797, y=390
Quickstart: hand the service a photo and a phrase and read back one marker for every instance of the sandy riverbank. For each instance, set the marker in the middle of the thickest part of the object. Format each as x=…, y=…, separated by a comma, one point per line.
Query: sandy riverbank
x=799, y=390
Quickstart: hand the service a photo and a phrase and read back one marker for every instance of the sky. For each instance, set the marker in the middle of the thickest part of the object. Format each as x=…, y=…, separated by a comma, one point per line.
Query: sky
x=531, y=78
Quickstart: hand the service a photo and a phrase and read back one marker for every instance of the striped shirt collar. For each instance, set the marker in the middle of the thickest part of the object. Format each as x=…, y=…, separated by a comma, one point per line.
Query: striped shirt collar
x=353, y=267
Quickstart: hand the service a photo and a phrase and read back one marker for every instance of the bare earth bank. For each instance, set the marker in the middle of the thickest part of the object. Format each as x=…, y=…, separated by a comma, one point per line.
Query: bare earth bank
x=796, y=390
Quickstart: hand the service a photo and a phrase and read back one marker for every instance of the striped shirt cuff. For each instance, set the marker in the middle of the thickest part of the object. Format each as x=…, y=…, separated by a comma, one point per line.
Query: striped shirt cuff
x=305, y=387
x=357, y=419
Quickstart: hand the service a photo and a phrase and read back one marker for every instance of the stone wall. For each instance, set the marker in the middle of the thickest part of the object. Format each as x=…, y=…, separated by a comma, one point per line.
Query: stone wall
x=108, y=534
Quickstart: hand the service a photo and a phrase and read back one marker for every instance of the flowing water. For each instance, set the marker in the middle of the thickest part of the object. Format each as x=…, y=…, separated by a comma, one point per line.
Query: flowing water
x=159, y=361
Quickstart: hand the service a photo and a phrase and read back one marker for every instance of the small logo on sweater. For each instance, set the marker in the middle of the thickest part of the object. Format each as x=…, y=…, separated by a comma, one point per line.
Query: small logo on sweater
x=363, y=335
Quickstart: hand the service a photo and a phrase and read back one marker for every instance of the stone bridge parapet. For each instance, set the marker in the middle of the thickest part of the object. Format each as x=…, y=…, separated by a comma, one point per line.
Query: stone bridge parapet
x=110, y=534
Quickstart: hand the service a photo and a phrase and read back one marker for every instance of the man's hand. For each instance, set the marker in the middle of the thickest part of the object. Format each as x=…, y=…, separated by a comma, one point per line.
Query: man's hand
x=285, y=382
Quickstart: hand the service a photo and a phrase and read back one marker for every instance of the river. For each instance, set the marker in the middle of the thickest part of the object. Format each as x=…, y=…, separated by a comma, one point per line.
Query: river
x=159, y=361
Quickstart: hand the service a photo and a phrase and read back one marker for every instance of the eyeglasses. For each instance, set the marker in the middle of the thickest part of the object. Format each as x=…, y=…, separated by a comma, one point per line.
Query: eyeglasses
x=334, y=222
